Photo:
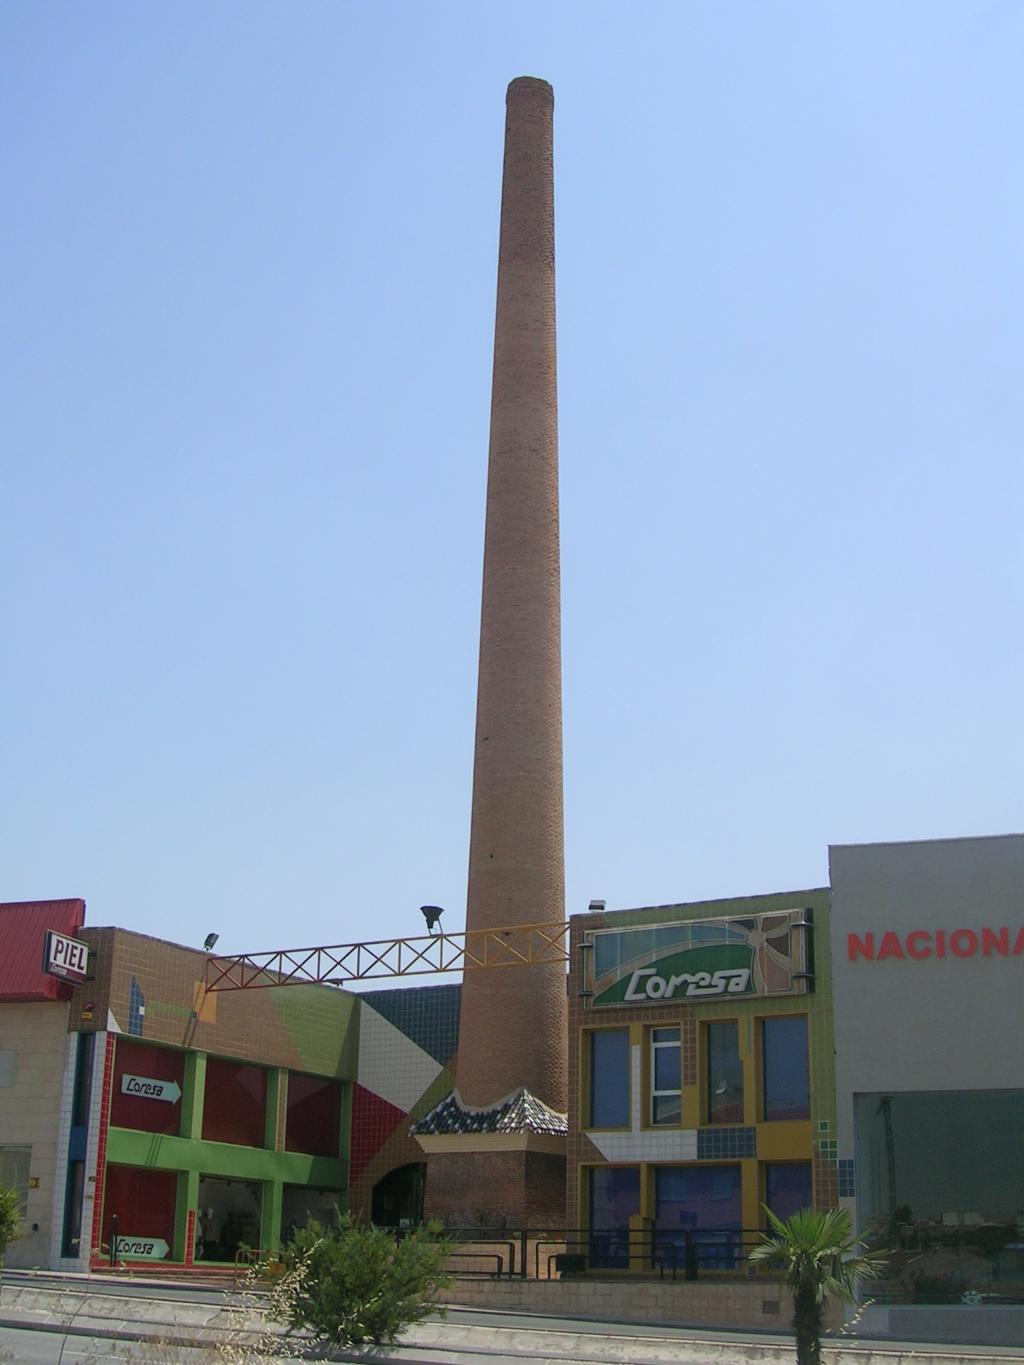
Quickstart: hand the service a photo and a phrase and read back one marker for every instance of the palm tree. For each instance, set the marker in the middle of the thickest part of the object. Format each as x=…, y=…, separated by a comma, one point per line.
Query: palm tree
x=818, y=1253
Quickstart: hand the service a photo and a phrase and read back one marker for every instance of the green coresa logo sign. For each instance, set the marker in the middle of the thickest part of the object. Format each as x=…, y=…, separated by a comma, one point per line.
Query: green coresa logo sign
x=705, y=959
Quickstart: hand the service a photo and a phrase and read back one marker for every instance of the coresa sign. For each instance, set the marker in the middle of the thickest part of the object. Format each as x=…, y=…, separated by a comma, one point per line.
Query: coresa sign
x=65, y=957
x=767, y=954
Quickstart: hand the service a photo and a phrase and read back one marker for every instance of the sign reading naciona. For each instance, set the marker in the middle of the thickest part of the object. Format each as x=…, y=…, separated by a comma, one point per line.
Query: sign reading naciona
x=765, y=954
x=924, y=943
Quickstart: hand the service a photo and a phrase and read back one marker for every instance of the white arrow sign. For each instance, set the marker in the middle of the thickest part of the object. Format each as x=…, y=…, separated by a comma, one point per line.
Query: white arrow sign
x=148, y=1089
x=141, y=1248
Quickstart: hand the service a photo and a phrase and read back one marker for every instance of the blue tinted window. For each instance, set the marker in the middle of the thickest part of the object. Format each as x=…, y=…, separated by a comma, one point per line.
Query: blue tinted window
x=614, y=1199
x=725, y=1073
x=699, y=1204
x=787, y=1187
x=609, y=1078
x=786, y=1082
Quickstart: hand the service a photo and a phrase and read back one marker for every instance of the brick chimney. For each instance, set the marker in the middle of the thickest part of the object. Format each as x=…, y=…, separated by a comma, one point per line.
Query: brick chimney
x=512, y=1034
x=513, y=1023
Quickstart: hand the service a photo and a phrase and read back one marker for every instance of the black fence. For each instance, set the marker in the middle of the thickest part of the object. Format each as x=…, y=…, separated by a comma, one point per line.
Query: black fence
x=547, y=1253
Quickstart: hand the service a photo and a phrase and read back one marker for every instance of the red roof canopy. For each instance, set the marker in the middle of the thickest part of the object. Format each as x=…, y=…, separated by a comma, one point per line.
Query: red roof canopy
x=23, y=926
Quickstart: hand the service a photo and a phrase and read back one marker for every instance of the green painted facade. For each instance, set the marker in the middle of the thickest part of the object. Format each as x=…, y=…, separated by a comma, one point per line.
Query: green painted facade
x=192, y=1157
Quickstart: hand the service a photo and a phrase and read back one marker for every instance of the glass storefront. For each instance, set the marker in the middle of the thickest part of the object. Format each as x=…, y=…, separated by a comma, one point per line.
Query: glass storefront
x=704, y=1204
x=940, y=1182
x=614, y=1199
x=229, y=1217
x=300, y=1204
x=787, y=1187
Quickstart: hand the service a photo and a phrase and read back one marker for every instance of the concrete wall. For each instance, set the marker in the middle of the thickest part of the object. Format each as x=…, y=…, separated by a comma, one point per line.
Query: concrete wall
x=740, y=1303
x=925, y=1022
x=36, y=1035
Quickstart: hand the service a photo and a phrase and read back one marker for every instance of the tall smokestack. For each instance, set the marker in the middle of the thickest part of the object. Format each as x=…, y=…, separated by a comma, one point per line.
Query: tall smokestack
x=512, y=1031
x=513, y=1023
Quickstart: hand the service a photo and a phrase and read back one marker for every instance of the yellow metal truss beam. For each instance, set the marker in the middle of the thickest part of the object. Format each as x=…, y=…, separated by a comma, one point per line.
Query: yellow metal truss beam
x=520, y=945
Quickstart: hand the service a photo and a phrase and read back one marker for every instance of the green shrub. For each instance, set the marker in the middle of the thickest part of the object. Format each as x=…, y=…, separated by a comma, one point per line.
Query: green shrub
x=10, y=1219
x=355, y=1284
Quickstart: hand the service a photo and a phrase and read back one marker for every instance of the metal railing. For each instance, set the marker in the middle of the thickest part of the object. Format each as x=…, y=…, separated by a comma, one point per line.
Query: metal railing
x=547, y=1253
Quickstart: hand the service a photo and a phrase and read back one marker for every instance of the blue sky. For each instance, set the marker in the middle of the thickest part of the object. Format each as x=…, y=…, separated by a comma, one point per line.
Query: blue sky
x=248, y=312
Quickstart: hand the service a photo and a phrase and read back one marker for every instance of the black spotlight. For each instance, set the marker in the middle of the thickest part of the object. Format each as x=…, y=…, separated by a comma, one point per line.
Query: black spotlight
x=432, y=914
x=209, y=941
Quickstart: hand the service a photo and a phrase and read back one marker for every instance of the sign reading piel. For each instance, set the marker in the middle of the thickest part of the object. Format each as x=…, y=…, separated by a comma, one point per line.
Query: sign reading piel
x=705, y=959
x=65, y=957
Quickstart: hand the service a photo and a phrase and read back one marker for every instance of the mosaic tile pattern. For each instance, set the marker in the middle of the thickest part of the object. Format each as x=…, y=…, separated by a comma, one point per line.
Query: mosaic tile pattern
x=520, y=1112
x=688, y=1045
x=650, y=1144
x=391, y=1065
x=136, y=1009
x=373, y=1122
x=846, y=1178
x=429, y=1015
x=406, y=1037
x=715, y=1144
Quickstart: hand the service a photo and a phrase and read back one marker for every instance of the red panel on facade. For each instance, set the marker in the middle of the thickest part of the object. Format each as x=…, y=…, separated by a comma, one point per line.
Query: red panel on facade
x=235, y=1104
x=313, y=1124
x=144, y=1203
x=23, y=926
x=146, y=1091
x=373, y=1122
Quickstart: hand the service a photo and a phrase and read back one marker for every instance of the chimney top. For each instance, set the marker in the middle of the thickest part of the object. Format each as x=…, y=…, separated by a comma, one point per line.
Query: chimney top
x=529, y=85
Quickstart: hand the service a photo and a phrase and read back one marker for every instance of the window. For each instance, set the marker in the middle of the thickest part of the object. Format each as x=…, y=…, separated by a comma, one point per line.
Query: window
x=83, y=1080
x=230, y=1213
x=235, y=1103
x=787, y=1093
x=725, y=1072
x=147, y=1087
x=787, y=1187
x=666, y=1076
x=700, y=1205
x=609, y=1078
x=313, y=1122
x=143, y=1202
x=614, y=1199
x=14, y=1168
x=940, y=1174
x=300, y=1203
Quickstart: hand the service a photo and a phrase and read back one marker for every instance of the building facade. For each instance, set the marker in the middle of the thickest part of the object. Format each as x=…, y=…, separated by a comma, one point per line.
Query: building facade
x=928, y=989
x=146, y=1118
x=700, y=1077
x=36, y=1058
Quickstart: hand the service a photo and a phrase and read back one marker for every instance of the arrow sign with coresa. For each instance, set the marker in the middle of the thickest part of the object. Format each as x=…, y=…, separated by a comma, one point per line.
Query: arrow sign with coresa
x=141, y=1248
x=146, y=1088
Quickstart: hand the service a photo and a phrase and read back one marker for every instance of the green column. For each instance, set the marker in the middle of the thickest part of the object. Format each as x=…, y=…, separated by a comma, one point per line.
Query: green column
x=270, y=1222
x=188, y=1198
x=192, y=1095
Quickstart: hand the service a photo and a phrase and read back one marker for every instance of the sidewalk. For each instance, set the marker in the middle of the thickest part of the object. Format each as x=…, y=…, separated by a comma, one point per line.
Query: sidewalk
x=467, y=1337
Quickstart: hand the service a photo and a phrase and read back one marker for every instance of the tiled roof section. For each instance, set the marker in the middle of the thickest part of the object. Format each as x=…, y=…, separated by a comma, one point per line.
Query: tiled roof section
x=517, y=1113
x=23, y=926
